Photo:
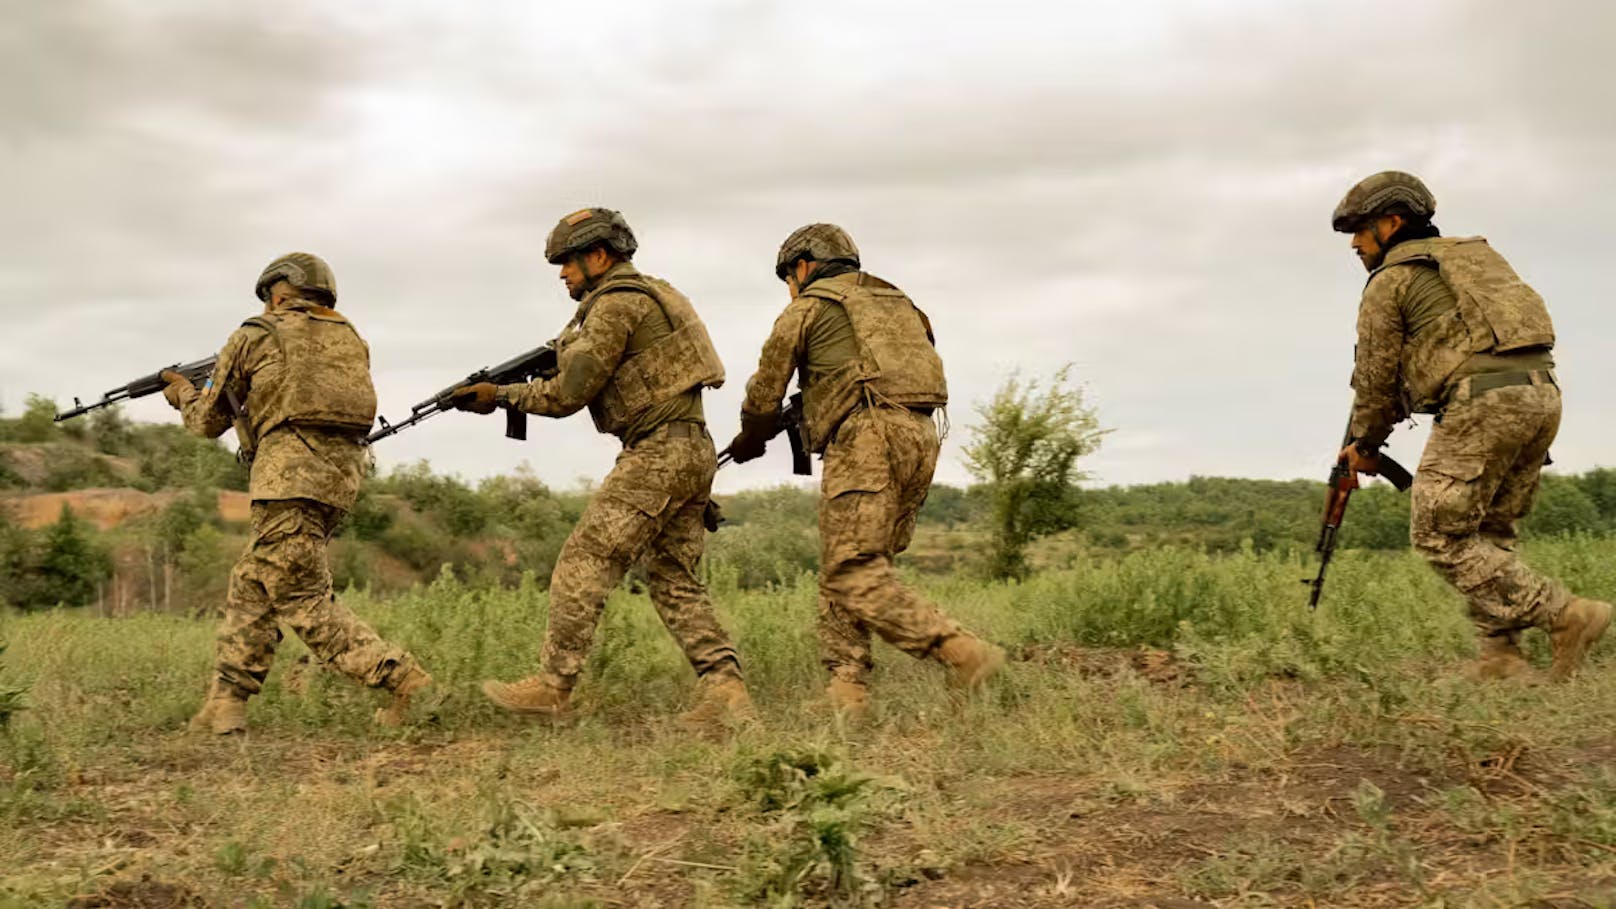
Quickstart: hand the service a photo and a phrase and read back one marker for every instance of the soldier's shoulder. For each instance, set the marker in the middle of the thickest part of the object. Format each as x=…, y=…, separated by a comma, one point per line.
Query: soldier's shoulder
x=1391, y=280
x=248, y=334
x=622, y=305
x=876, y=282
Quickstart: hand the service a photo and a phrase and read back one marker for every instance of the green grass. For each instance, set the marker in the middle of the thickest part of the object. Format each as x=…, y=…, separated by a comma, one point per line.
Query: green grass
x=1335, y=756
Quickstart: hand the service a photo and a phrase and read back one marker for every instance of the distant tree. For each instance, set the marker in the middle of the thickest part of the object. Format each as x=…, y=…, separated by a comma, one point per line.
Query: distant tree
x=450, y=503
x=16, y=553
x=70, y=565
x=37, y=423
x=1562, y=507
x=1377, y=518
x=111, y=431
x=183, y=516
x=948, y=505
x=1025, y=451
x=1599, y=485
x=370, y=518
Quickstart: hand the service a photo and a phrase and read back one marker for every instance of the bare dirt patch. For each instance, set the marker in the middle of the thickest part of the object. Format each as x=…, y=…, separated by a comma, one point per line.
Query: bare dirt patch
x=109, y=508
x=1091, y=852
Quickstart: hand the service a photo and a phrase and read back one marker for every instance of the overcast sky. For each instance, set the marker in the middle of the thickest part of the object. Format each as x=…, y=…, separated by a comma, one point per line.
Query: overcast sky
x=1141, y=189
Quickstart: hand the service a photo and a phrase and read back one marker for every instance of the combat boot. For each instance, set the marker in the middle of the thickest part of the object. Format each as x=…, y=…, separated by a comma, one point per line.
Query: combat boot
x=223, y=713
x=538, y=695
x=413, y=683
x=1500, y=658
x=1575, y=630
x=970, y=660
x=723, y=701
x=849, y=699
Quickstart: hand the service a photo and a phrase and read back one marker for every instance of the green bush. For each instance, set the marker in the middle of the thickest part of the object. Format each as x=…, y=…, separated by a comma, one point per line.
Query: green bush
x=773, y=545
x=1562, y=507
x=37, y=423
x=63, y=565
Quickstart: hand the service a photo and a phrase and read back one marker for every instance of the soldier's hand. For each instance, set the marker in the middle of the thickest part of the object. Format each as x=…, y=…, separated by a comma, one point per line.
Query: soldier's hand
x=756, y=431
x=172, y=390
x=477, y=398
x=1358, y=462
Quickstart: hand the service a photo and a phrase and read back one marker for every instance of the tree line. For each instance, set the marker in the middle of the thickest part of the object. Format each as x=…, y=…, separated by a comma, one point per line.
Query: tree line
x=1025, y=452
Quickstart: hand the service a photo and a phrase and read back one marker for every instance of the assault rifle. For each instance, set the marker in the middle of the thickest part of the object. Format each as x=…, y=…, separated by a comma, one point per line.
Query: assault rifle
x=790, y=422
x=196, y=373
x=538, y=363
x=1342, y=482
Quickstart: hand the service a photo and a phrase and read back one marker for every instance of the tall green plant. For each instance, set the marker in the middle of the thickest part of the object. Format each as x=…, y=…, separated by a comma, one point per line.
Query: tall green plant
x=1026, y=450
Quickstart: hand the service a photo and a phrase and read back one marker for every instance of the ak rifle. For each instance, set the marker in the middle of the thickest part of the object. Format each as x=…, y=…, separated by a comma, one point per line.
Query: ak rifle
x=790, y=422
x=1341, y=484
x=196, y=373
x=538, y=363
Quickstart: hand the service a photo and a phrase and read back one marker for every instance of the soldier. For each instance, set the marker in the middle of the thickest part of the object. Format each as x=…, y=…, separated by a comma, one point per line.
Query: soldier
x=295, y=383
x=871, y=381
x=1446, y=327
x=637, y=355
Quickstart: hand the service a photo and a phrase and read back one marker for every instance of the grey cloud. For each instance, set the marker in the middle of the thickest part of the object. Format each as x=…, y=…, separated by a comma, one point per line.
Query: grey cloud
x=1150, y=207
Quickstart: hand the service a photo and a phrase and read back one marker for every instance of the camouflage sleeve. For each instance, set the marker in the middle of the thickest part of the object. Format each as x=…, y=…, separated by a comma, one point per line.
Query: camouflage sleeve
x=587, y=362
x=782, y=353
x=1376, y=380
x=207, y=409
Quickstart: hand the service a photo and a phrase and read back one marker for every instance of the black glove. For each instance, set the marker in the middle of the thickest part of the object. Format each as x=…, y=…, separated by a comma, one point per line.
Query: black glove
x=756, y=431
x=477, y=398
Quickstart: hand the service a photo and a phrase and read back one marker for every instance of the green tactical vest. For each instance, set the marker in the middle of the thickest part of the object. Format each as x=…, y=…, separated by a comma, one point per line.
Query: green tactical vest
x=897, y=362
x=676, y=363
x=1474, y=309
x=1501, y=311
x=318, y=373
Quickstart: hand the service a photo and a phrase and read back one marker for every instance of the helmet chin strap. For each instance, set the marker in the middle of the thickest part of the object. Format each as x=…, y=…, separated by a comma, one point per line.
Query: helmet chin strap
x=590, y=281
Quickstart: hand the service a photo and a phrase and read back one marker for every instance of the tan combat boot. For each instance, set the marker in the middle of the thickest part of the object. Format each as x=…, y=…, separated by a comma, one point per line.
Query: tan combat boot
x=414, y=682
x=970, y=659
x=849, y=699
x=723, y=701
x=1500, y=658
x=223, y=713
x=538, y=695
x=1575, y=630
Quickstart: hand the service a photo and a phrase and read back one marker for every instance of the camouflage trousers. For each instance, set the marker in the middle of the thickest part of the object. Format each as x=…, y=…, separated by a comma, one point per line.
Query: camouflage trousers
x=284, y=578
x=1477, y=478
x=650, y=505
x=878, y=470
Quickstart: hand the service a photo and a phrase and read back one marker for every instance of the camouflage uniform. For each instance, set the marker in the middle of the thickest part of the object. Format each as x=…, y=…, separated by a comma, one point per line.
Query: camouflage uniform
x=634, y=337
x=303, y=375
x=1446, y=327
x=871, y=380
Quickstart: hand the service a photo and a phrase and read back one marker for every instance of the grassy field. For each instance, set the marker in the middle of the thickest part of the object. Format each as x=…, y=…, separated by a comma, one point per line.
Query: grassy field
x=1177, y=730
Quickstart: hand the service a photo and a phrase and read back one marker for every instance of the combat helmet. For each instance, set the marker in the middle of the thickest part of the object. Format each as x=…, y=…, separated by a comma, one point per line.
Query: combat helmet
x=819, y=242
x=1386, y=193
x=586, y=227
x=302, y=270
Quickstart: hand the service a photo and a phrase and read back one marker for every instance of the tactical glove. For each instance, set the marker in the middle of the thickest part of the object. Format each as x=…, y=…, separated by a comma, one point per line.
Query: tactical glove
x=756, y=431
x=171, y=391
x=477, y=398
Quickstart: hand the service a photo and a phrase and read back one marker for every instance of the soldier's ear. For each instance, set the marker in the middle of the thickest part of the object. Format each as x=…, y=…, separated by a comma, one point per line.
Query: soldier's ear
x=1387, y=227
